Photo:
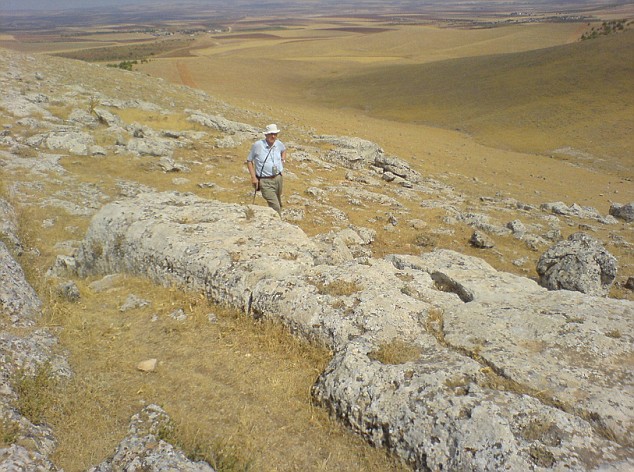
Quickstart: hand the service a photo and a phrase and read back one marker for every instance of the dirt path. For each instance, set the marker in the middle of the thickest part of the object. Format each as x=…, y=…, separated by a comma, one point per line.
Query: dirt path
x=185, y=75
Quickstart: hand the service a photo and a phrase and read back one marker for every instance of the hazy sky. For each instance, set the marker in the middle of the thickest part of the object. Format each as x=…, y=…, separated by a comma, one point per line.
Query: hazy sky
x=12, y=5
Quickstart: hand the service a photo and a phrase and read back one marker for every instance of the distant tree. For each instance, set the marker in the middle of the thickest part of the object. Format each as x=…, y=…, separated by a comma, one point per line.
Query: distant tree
x=125, y=65
x=606, y=28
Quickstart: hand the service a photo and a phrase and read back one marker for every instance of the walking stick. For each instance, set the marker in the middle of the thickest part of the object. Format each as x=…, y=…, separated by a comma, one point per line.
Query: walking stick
x=255, y=191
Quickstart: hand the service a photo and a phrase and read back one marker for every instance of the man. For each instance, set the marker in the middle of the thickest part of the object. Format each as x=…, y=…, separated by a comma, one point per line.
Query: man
x=266, y=163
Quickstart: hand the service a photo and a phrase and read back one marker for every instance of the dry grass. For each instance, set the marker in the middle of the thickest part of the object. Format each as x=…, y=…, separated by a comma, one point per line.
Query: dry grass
x=34, y=393
x=396, y=352
x=248, y=383
x=498, y=95
x=338, y=288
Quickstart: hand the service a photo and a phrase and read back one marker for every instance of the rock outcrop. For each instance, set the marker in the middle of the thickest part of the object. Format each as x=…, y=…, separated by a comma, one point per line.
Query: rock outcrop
x=144, y=448
x=28, y=444
x=506, y=375
x=24, y=354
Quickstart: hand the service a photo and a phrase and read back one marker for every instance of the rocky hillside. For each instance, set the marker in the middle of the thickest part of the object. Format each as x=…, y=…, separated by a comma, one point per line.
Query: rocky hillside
x=492, y=371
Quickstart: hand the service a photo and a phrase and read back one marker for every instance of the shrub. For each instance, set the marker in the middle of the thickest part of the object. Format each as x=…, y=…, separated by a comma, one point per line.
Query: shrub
x=125, y=65
x=34, y=392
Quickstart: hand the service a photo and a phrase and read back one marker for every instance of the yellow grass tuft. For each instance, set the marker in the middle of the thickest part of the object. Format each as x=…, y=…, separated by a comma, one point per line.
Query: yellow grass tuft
x=396, y=352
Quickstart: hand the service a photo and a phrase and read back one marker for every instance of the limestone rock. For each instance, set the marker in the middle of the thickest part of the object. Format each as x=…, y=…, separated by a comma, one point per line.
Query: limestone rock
x=73, y=141
x=106, y=283
x=83, y=117
x=18, y=301
x=517, y=227
x=350, y=152
x=148, y=365
x=9, y=225
x=106, y=117
x=220, y=123
x=481, y=240
x=133, y=302
x=506, y=375
x=396, y=167
x=69, y=291
x=25, y=446
x=579, y=263
x=154, y=146
x=143, y=448
x=560, y=208
x=18, y=458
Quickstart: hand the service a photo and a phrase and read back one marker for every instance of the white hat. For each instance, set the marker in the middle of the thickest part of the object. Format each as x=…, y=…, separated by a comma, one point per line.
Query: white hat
x=271, y=129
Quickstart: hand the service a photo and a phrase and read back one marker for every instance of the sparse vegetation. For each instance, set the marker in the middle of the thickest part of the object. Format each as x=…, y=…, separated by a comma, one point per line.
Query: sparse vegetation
x=125, y=65
x=607, y=28
x=34, y=393
x=338, y=288
x=92, y=104
x=132, y=52
x=9, y=432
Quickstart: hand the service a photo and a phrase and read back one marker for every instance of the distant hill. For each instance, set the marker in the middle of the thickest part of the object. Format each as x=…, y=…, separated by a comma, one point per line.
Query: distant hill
x=577, y=97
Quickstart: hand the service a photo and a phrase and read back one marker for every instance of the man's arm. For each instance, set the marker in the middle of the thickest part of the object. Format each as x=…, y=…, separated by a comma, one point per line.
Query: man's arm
x=254, y=178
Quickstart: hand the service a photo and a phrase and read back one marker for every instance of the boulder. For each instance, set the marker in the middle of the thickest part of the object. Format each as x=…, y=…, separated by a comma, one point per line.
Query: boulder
x=623, y=212
x=151, y=146
x=220, y=123
x=106, y=117
x=481, y=240
x=73, y=141
x=396, y=167
x=579, y=263
x=578, y=211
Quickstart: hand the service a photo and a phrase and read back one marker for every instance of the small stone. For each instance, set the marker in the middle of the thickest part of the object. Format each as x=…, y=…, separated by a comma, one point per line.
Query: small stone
x=106, y=283
x=178, y=315
x=69, y=291
x=133, y=302
x=148, y=365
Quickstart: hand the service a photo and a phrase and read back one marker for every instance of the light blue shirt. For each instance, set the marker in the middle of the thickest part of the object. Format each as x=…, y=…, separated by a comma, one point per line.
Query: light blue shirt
x=267, y=166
